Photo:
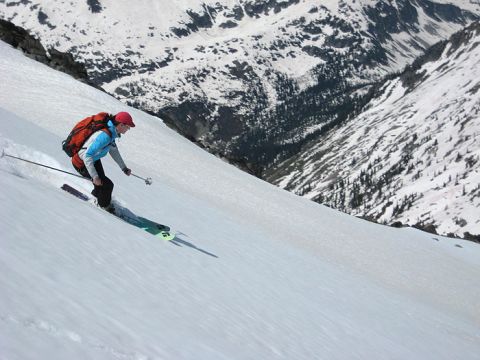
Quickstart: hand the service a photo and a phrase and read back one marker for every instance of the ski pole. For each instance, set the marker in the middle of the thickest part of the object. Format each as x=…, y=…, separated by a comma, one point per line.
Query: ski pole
x=148, y=181
x=45, y=166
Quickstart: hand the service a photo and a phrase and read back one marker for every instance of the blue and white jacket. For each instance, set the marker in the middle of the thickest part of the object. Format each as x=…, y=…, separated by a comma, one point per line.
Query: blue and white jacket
x=97, y=146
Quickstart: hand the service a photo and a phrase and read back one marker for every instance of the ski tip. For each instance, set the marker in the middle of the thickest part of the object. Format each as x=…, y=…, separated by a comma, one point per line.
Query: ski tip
x=166, y=235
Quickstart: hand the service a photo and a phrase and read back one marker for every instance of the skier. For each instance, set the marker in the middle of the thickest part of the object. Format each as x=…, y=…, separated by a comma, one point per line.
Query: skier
x=87, y=160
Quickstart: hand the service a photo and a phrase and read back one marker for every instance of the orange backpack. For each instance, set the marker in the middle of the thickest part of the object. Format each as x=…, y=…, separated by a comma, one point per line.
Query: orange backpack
x=83, y=130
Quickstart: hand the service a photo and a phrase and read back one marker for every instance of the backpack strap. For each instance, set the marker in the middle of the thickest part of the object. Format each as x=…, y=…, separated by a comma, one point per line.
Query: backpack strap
x=109, y=133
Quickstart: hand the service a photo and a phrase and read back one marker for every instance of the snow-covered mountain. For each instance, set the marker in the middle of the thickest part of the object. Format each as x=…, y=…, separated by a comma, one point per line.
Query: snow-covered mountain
x=249, y=79
x=412, y=155
x=255, y=272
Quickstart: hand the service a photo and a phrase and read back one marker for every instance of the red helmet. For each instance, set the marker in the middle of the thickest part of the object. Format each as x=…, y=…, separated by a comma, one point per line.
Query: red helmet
x=124, y=118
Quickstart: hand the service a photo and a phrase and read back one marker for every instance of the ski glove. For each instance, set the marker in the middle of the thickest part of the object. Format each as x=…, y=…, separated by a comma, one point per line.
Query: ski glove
x=127, y=171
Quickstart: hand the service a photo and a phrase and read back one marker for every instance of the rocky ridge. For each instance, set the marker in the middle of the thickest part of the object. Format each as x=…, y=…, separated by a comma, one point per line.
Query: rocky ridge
x=32, y=47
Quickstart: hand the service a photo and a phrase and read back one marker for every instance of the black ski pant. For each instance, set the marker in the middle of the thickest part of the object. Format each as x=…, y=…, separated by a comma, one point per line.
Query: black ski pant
x=103, y=193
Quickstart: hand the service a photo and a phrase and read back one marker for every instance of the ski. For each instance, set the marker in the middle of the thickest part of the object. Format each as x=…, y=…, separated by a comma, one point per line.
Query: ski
x=75, y=192
x=152, y=227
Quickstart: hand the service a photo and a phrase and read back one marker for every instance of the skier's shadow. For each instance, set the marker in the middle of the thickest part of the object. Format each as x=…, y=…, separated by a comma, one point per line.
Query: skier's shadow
x=181, y=242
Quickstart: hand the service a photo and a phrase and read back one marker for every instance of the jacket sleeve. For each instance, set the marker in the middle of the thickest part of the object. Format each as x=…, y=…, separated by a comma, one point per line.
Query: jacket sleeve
x=100, y=140
x=115, y=154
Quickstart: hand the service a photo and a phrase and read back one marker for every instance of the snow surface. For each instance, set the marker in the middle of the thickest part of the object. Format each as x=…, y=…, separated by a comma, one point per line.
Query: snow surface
x=255, y=272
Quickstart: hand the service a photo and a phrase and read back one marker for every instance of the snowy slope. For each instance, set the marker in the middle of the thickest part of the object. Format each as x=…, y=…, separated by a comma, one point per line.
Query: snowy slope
x=256, y=272
x=413, y=154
